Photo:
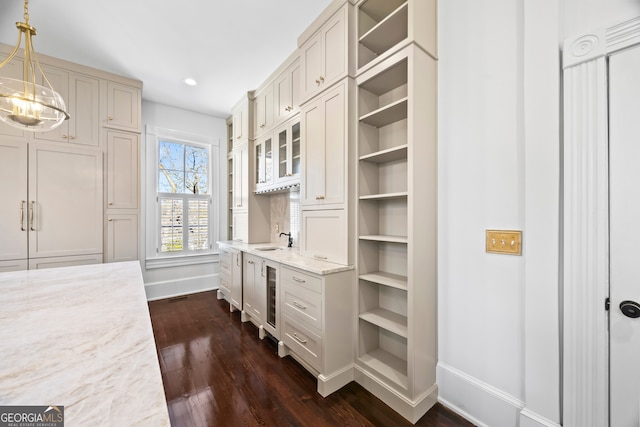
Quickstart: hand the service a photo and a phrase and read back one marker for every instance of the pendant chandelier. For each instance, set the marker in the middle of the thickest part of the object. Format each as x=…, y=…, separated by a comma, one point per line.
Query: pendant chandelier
x=23, y=103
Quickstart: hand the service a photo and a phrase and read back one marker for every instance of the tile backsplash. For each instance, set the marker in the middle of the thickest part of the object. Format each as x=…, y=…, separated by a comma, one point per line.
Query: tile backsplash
x=285, y=213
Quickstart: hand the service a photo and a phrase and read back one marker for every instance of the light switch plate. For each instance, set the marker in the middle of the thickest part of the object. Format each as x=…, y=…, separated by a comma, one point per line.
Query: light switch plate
x=504, y=242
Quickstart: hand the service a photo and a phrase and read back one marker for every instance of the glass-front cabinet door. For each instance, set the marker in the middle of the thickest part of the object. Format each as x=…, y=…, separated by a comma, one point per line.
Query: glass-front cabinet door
x=288, y=139
x=264, y=163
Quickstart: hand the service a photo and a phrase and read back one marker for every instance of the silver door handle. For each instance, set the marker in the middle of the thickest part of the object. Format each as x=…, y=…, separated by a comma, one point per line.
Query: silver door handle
x=300, y=340
x=31, y=208
x=300, y=306
x=22, y=203
x=299, y=280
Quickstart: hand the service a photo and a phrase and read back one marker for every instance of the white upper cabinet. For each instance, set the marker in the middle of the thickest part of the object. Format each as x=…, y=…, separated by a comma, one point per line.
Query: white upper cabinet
x=240, y=119
x=263, y=118
x=81, y=95
x=324, y=57
x=287, y=138
x=264, y=157
x=123, y=107
x=286, y=90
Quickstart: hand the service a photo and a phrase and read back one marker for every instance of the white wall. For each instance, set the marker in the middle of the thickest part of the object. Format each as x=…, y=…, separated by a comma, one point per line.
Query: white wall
x=171, y=281
x=500, y=167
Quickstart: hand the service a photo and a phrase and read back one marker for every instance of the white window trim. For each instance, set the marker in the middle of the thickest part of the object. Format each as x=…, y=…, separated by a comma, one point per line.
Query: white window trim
x=155, y=259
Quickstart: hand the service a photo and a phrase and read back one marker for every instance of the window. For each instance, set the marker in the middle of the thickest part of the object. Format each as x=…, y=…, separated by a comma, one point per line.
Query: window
x=181, y=189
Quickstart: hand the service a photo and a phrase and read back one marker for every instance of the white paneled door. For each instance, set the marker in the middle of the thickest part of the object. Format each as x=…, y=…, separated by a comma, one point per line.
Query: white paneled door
x=624, y=167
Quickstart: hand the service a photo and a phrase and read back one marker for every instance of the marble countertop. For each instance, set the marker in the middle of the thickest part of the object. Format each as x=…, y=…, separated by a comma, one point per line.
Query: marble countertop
x=288, y=256
x=81, y=337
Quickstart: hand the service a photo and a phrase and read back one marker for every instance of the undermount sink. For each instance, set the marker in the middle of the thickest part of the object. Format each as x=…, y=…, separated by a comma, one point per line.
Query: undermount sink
x=268, y=248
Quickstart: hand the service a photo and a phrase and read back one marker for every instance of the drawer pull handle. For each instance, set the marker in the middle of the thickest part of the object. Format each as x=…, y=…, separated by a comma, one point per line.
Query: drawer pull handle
x=299, y=280
x=300, y=340
x=300, y=306
x=320, y=257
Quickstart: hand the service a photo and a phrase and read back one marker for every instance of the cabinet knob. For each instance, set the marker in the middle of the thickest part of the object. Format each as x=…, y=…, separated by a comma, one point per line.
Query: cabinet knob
x=110, y=118
x=321, y=79
x=110, y=219
x=110, y=203
x=72, y=137
x=318, y=82
x=65, y=136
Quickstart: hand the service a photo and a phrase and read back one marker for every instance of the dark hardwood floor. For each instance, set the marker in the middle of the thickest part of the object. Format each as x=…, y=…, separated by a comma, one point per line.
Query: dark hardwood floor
x=217, y=372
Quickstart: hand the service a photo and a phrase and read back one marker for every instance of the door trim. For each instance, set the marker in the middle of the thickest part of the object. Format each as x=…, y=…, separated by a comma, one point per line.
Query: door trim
x=585, y=213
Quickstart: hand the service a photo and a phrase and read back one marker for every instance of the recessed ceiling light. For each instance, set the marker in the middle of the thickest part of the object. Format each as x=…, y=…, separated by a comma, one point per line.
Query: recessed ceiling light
x=190, y=81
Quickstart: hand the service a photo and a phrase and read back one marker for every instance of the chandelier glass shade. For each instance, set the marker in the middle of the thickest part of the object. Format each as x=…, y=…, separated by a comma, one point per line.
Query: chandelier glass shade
x=24, y=104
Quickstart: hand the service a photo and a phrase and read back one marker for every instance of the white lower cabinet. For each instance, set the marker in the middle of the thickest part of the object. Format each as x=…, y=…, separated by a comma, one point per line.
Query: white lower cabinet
x=122, y=237
x=231, y=277
x=318, y=326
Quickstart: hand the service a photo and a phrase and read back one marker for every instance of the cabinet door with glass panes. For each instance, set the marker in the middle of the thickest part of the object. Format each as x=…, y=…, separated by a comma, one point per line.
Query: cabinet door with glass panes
x=288, y=148
x=263, y=151
x=184, y=198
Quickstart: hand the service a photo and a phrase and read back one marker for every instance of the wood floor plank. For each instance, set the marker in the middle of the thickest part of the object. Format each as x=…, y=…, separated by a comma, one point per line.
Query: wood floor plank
x=217, y=372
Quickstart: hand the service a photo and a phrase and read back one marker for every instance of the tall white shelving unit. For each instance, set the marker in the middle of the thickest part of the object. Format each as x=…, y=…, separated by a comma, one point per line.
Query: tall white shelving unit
x=397, y=211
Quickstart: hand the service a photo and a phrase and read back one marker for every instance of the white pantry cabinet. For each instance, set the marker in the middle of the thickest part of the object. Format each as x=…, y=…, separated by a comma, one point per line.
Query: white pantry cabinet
x=325, y=149
x=121, y=237
x=123, y=180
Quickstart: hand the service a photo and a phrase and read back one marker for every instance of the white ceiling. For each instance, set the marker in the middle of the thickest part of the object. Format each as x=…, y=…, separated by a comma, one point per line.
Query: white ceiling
x=228, y=46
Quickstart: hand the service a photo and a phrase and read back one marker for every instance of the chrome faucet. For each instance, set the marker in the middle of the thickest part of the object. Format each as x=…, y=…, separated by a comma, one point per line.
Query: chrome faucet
x=290, y=241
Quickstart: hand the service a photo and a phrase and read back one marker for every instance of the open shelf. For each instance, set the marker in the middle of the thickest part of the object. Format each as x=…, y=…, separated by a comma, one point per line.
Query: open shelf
x=388, y=32
x=386, y=279
x=385, y=196
x=392, y=322
x=382, y=238
x=387, y=114
x=384, y=352
x=386, y=155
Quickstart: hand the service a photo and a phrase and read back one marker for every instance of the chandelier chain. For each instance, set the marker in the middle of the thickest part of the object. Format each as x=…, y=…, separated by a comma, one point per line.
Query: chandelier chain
x=26, y=12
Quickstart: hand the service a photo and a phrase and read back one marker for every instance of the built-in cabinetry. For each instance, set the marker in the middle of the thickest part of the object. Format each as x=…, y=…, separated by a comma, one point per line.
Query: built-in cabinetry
x=76, y=188
x=397, y=208
x=287, y=138
x=263, y=155
x=53, y=207
x=264, y=105
x=231, y=277
x=250, y=215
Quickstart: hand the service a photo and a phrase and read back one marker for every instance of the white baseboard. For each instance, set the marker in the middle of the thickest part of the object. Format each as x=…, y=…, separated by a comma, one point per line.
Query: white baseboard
x=327, y=384
x=475, y=400
x=412, y=410
x=531, y=419
x=183, y=286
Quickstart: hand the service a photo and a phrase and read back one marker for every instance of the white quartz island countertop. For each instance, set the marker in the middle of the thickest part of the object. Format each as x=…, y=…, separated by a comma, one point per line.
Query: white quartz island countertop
x=287, y=256
x=81, y=337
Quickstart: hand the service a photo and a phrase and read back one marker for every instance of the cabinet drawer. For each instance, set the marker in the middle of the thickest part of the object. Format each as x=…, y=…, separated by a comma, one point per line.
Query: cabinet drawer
x=303, y=342
x=303, y=305
x=301, y=279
